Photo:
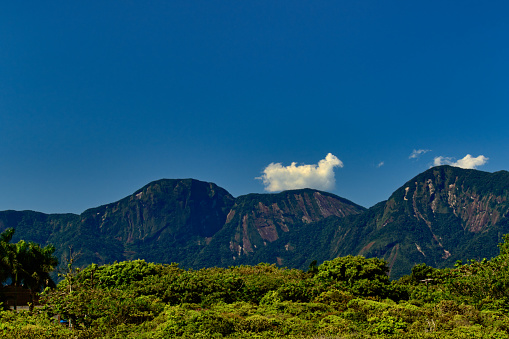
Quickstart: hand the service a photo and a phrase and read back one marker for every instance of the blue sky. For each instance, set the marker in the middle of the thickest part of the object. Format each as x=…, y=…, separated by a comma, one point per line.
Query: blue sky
x=98, y=98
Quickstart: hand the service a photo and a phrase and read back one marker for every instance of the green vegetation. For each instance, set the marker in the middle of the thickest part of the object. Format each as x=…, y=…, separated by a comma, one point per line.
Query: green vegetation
x=442, y=215
x=347, y=297
x=25, y=264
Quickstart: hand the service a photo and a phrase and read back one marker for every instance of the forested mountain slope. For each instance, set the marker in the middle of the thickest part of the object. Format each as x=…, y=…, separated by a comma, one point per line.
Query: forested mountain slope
x=260, y=228
x=440, y=216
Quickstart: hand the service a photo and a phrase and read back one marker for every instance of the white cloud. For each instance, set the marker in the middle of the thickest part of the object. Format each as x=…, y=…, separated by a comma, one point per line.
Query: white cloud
x=277, y=177
x=418, y=152
x=439, y=161
x=468, y=162
x=380, y=164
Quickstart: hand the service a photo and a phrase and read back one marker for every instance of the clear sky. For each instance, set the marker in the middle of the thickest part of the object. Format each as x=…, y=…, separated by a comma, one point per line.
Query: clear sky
x=98, y=98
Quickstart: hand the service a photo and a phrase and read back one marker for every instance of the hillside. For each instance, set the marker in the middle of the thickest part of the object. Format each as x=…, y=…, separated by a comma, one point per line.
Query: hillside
x=165, y=221
x=260, y=228
x=442, y=215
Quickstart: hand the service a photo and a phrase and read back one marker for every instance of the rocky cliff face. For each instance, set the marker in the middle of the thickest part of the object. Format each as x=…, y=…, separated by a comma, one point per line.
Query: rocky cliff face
x=260, y=219
x=446, y=190
x=188, y=221
x=440, y=216
x=166, y=220
x=164, y=209
x=270, y=227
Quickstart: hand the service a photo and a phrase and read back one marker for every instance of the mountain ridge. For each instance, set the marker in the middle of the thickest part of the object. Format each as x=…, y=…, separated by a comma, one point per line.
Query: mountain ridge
x=439, y=216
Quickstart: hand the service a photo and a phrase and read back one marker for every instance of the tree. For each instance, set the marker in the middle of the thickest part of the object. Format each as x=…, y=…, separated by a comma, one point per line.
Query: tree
x=484, y=283
x=26, y=264
x=5, y=239
x=38, y=263
x=361, y=276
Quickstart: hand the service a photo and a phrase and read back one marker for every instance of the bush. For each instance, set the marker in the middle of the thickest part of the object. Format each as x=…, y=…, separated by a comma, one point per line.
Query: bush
x=256, y=323
x=334, y=325
x=358, y=275
x=387, y=324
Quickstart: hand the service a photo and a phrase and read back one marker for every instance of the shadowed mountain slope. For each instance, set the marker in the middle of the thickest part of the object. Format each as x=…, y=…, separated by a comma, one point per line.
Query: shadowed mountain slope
x=259, y=227
x=165, y=221
x=442, y=215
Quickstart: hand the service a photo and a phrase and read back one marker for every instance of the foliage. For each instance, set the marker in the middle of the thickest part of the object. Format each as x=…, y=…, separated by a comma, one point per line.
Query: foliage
x=483, y=284
x=200, y=225
x=358, y=275
x=348, y=297
x=35, y=325
x=26, y=264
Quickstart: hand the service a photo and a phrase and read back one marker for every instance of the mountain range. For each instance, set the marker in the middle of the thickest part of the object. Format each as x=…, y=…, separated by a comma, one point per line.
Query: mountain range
x=442, y=215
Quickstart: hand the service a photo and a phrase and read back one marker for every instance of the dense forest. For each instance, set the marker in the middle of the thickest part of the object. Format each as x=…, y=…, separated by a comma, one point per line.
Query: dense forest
x=347, y=297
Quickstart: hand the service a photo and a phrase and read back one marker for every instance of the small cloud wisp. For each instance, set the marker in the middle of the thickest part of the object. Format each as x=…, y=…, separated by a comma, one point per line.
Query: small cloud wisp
x=468, y=162
x=277, y=177
x=418, y=152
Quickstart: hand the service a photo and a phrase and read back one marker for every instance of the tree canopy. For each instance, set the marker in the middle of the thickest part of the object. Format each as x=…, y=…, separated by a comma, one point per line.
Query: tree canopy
x=26, y=264
x=347, y=297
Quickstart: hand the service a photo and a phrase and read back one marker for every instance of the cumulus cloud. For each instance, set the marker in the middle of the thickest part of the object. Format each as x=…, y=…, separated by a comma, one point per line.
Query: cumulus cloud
x=468, y=162
x=277, y=177
x=418, y=152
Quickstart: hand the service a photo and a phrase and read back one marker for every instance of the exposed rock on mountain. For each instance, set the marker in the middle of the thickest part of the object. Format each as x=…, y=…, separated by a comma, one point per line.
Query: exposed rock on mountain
x=258, y=224
x=440, y=216
x=165, y=221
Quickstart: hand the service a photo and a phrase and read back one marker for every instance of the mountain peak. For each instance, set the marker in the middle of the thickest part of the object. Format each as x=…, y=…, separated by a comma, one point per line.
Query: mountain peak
x=439, y=216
